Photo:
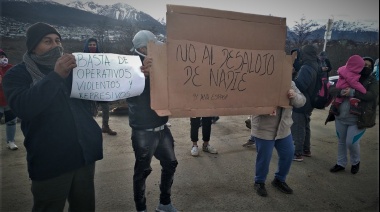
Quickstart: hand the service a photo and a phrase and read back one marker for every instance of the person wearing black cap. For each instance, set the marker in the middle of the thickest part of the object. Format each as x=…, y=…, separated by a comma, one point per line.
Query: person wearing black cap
x=150, y=135
x=62, y=139
x=91, y=46
x=10, y=117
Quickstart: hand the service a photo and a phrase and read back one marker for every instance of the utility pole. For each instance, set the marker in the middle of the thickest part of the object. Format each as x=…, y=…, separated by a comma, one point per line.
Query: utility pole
x=328, y=32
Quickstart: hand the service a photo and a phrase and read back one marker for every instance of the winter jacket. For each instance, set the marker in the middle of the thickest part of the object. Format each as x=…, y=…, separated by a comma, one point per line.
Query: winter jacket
x=273, y=127
x=3, y=70
x=349, y=79
x=60, y=133
x=306, y=82
x=367, y=104
x=307, y=76
x=140, y=114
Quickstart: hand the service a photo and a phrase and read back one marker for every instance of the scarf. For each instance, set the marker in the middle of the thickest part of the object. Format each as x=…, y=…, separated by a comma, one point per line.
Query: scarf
x=48, y=59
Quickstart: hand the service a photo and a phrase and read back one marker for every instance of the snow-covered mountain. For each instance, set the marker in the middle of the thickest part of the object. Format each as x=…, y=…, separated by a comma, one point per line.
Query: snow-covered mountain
x=354, y=26
x=120, y=11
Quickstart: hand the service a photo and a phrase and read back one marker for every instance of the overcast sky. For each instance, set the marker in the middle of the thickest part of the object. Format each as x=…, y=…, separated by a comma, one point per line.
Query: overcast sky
x=292, y=10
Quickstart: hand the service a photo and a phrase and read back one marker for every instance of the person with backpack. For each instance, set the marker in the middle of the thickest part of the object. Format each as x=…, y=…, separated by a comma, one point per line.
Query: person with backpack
x=305, y=81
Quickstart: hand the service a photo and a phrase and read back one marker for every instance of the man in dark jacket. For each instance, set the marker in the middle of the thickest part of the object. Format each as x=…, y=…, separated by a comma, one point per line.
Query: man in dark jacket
x=62, y=139
x=305, y=82
x=150, y=135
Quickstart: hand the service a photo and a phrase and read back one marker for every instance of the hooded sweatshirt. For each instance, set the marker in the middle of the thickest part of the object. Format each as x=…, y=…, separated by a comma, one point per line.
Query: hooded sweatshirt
x=349, y=74
x=87, y=50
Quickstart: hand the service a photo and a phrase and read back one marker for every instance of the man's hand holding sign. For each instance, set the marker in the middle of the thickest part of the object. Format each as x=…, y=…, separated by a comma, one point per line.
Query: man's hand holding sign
x=107, y=77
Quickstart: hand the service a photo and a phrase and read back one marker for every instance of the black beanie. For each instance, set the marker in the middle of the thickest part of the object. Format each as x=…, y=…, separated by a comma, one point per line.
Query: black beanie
x=36, y=32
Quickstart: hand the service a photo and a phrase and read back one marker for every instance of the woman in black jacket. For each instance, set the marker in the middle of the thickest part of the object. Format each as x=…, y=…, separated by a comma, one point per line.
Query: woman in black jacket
x=354, y=117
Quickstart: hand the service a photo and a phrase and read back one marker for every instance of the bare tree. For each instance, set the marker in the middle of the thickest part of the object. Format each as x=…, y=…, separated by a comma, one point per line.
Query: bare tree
x=302, y=31
x=101, y=33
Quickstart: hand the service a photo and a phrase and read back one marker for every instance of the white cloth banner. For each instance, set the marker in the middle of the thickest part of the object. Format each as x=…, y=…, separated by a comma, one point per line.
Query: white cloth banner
x=107, y=77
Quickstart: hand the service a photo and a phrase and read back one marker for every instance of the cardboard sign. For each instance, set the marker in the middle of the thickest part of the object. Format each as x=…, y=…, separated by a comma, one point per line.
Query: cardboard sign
x=107, y=77
x=219, y=63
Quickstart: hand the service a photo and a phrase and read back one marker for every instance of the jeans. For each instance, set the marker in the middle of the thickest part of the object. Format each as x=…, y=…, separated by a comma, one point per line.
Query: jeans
x=206, y=128
x=349, y=140
x=285, y=151
x=76, y=186
x=10, y=123
x=301, y=132
x=145, y=145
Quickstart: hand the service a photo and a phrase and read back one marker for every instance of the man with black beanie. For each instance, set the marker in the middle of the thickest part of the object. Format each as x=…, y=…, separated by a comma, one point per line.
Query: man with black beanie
x=62, y=139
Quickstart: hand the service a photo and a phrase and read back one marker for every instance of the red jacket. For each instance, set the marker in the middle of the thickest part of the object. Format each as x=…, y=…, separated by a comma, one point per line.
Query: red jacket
x=3, y=70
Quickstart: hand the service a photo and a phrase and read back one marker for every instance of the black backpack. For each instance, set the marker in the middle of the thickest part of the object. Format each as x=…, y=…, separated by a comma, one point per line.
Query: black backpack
x=320, y=97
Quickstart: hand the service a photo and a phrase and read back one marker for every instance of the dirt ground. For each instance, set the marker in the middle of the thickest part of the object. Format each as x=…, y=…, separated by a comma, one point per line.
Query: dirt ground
x=222, y=182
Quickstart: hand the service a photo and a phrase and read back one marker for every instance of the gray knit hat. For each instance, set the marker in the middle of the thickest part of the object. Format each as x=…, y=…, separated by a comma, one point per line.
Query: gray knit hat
x=142, y=38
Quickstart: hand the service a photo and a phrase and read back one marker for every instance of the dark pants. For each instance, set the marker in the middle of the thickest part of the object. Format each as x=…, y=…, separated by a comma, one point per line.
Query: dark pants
x=105, y=112
x=77, y=187
x=301, y=132
x=145, y=145
x=206, y=128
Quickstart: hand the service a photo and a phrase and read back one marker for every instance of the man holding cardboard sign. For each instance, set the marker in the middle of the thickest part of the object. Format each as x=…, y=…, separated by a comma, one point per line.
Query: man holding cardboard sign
x=150, y=135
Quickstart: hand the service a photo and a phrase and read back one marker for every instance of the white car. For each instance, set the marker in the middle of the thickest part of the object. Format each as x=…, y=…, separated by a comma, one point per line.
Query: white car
x=333, y=79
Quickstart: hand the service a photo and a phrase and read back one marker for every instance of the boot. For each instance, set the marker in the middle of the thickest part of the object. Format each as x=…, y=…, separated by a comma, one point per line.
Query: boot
x=106, y=129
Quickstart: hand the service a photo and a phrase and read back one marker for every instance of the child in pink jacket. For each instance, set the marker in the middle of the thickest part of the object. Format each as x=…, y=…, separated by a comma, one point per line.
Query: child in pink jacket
x=349, y=78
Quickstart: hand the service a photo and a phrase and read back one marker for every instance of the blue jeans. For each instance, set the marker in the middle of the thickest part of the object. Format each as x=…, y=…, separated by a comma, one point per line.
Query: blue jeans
x=285, y=151
x=10, y=122
x=147, y=144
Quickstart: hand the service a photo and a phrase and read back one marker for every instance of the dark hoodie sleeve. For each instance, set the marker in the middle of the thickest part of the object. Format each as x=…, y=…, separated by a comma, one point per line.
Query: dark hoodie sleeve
x=304, y=79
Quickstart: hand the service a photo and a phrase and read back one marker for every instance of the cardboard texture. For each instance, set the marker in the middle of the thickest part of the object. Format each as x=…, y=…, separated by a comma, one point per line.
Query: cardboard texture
x=219, y=63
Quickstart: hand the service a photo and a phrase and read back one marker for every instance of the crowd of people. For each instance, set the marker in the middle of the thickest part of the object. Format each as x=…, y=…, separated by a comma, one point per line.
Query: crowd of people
x=61, y=155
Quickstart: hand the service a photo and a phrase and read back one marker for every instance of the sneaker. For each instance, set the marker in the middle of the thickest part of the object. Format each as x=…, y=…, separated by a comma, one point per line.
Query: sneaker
x=194, y=151
x=260, y=189
x=282, y=186
x=214, y=119
x=209, y=149
x=168, y=124
x=337, y=168
x=298, y=158
x=248, y=123
x=249, y=143
x=12, y=146
x=306, y=153
x=355, y=168
x=166, y=208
